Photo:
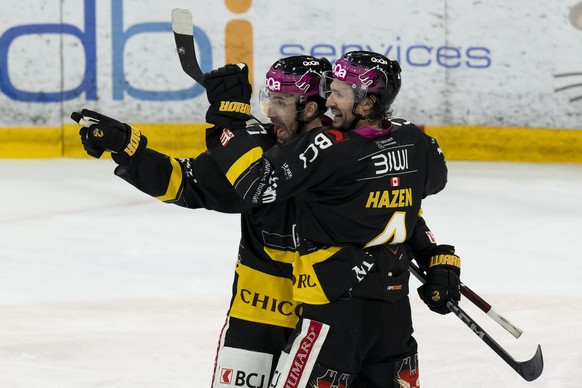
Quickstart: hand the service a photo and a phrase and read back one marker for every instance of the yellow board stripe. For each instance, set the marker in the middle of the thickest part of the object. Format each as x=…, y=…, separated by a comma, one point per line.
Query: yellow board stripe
x=460, y=142
x=174, y=183
x=188, y=140
x=243, y=163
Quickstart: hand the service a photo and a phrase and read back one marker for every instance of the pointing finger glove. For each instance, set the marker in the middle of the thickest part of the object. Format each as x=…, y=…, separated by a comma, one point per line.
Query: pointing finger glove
x=101, y=133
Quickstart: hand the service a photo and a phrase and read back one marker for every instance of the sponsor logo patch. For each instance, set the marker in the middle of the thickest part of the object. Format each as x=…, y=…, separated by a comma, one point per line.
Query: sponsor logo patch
x=337, y=136
x=226, y=376
x=225, y=136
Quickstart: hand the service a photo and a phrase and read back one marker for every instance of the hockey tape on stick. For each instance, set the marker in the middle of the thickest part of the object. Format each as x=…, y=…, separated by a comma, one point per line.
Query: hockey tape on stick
x=184, y=36
x=479, y=302
x=529, y=370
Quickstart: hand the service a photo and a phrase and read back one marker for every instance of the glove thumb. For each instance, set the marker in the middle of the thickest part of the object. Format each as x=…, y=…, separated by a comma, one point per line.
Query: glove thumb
x=76, y=116
x=243, y=67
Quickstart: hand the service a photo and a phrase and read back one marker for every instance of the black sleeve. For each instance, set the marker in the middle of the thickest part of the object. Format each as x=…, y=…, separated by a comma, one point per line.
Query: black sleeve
x=422, y=243
x=436, y=167
x=193, y=183
x=279, y=173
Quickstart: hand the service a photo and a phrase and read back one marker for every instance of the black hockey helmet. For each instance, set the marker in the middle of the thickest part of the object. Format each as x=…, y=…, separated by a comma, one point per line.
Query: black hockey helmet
x=369, y=73
x=299, y=76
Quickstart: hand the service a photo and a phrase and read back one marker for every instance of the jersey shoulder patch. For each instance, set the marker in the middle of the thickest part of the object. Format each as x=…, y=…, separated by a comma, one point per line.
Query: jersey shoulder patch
x=337, y=136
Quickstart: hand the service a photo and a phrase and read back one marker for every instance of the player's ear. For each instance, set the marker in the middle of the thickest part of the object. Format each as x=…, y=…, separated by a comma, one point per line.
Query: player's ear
x=311, y=110
x=368, y=104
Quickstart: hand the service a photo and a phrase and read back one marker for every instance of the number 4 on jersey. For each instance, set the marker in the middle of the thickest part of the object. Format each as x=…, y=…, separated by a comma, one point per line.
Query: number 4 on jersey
x=394, y=232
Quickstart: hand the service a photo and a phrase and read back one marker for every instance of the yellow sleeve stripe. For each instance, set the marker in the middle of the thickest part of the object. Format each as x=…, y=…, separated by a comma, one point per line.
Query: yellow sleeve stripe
x=322, y=254
x=174, y=183
x=280, y=256
x=243, y=163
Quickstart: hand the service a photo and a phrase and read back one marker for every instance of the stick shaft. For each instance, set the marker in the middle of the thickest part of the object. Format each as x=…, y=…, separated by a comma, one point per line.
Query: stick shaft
x=479, y=302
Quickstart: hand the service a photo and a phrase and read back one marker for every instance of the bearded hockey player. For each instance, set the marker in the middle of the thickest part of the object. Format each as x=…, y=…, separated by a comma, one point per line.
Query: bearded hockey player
x=361, y=182
x=263, y=311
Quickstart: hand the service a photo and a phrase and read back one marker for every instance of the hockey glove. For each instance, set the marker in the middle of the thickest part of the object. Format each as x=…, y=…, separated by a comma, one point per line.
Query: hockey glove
x=229, y=93
x=442, y=279
x=101, y=133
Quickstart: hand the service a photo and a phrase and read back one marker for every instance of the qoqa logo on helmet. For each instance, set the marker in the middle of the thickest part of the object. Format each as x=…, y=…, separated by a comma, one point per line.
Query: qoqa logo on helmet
x=339, y=72
x=272, y=84
x=379, y=60
x=310, y=63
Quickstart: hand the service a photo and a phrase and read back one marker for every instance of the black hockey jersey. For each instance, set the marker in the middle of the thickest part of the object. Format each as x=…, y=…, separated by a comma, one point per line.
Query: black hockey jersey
x=264, y=279
x=361, y=187
x=262, y=289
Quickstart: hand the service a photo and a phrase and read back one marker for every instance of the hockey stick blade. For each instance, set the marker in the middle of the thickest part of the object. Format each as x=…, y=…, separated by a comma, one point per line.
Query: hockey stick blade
x=529, y=370
x=479, y=302
x=184, y=36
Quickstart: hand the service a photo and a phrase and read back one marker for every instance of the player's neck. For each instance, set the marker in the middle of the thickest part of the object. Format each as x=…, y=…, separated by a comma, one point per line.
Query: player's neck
x=312, y=125
x=375, y=124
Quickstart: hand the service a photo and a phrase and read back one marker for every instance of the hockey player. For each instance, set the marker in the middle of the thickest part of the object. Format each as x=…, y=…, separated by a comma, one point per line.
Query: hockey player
x=262, y=312
x=362, y=183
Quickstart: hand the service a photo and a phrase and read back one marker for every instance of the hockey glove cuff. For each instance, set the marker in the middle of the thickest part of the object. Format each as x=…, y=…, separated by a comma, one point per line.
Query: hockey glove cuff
x=101, y=133
x=442, y=279
x=229, y=93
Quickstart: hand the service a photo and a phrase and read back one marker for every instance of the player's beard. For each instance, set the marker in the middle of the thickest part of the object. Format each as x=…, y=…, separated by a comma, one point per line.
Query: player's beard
x=284, y=131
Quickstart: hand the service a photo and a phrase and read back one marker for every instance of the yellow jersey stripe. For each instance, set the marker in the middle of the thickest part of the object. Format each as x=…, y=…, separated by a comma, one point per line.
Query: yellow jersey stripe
x=281, y=256
x=243, y=163
x=174, y=184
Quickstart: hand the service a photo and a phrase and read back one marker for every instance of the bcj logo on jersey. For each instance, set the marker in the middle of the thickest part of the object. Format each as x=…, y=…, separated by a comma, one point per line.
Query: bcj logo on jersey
x=226, y=376
x=241, y=379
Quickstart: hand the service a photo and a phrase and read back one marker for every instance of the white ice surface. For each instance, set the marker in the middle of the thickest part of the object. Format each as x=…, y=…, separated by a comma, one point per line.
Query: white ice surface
x=103, y=286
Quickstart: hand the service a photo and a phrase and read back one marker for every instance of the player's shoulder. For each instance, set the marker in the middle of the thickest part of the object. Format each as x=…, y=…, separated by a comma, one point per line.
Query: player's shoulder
x=321, y=136
x=405, y=129
x=257, y=128
x=264, y=134
x=399, y=123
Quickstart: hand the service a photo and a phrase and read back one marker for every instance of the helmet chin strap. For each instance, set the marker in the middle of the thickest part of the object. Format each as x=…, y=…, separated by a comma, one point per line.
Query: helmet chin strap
x=358, y=117
x=303, y=123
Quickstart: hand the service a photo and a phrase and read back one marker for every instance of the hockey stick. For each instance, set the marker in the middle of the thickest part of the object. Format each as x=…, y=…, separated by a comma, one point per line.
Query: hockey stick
x=487, y=309
x=529, y=370
x=184, y=36
x=479, y=302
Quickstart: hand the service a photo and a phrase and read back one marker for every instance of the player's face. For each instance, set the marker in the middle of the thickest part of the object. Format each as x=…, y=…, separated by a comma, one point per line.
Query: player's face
x=282, y=111
x=341, y=102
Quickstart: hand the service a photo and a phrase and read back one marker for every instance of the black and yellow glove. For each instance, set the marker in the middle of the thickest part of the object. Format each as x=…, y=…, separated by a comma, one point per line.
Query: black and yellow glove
x=101, y=133
x=229, y=93
x=442, y=279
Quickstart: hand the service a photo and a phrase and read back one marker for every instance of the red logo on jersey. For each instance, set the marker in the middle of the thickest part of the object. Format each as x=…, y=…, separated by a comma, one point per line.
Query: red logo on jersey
x=407, y=373
x=332, y=379
x=337, y=136
x=225, y=376
x=395, y=181
x=225, y=136
x=431, y=237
